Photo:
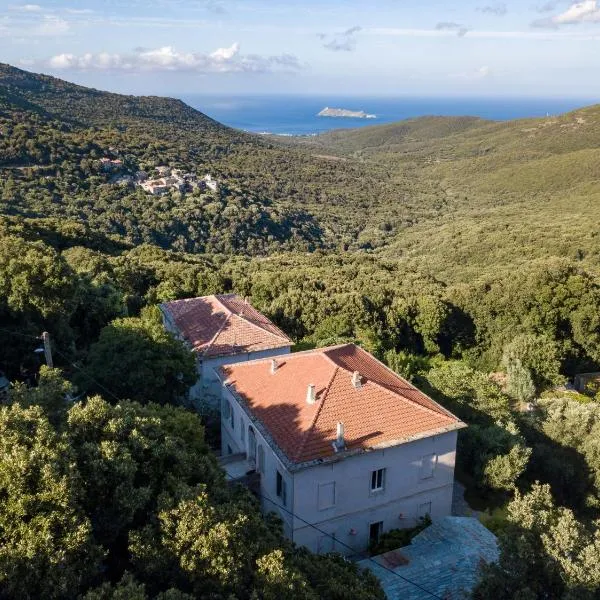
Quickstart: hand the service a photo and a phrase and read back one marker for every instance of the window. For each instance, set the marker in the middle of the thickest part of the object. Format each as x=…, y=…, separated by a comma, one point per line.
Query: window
x=428, y=466
x=281, y=488
x=229, y=450
x=375, y=531
x=326, y=495
x=242, y=430
x=378, y=480
x=226, y=408
x=261, y=459
x=232, y=418
x=424, y=510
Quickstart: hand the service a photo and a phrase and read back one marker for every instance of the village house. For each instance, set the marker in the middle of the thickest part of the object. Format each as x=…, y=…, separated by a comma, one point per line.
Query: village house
x=108, y=164
x=210, y=183
x=221, y=330
x=345, y=448
x=156, y=187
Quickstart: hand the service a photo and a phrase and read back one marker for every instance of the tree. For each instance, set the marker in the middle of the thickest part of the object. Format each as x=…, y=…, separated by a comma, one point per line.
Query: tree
x=544, y=553
x=520, y=384
x=538, y=354
x=52, y=394
x=47, y=549
x=136, y=358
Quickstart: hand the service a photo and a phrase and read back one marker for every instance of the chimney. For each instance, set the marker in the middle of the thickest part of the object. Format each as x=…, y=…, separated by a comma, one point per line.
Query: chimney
x=311, y=395
x=273, y=366
x=356, y=380
x=340, y=442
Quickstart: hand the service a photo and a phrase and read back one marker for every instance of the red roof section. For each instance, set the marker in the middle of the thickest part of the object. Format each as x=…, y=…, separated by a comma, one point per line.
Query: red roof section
x=384, y=410
x=223, y=325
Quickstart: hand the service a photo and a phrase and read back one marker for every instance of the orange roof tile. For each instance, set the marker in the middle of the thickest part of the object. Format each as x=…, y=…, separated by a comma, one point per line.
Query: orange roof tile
x=385, y=410
x=223, y=325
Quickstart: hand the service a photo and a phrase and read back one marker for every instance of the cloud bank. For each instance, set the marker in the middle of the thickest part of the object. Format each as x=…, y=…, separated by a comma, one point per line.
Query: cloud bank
x=587, y=11
x=167, y=58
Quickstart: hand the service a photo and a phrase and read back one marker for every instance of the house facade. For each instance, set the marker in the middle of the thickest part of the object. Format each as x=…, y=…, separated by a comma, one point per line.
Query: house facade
x=221, y=330
x=345, y=448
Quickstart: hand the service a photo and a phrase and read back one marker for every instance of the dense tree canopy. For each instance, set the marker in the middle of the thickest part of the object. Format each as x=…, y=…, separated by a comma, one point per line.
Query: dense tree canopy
x=127, y=501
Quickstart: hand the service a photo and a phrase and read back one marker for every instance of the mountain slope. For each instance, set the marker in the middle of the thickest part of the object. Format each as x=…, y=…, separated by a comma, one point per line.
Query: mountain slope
x=311, y=201
x=506, y=192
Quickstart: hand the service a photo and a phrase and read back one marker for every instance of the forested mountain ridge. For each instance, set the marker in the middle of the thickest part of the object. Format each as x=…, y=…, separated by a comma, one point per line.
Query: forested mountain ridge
x=504, y=192
x=461, y=252
x=67, y=101
x=302, y=200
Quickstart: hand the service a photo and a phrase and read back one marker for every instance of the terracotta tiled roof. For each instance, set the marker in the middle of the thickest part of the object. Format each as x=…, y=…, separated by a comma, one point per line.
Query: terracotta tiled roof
x=384, y=410
x=223, y=326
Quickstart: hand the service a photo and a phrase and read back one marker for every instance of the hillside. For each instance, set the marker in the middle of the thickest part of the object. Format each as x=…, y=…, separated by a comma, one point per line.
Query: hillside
x=274, y=197
x=506, y=192
x=455, y=197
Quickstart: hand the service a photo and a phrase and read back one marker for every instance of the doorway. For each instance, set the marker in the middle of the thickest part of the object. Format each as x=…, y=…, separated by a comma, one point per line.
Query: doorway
x=375, y=531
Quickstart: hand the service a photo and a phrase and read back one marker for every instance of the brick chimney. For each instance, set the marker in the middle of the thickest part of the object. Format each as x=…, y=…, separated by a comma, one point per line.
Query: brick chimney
x=356, y=380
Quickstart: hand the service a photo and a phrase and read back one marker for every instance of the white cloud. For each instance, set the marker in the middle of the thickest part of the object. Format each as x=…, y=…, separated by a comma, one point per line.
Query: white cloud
x=25, y=8
x=226, y=53
x=51, y=25
x=587, y=11
x=79, y=11
x=167, y=58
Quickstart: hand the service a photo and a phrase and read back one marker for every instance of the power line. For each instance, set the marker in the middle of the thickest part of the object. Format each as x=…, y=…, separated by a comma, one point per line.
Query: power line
x=347, y=546
x=81, y=369
x=23, y=335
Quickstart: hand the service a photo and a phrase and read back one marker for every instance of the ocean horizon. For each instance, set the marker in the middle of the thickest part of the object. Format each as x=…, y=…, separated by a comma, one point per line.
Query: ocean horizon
x=297, y=115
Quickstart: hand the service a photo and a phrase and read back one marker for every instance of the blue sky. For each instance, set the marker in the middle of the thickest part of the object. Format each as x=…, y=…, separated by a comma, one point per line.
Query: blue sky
x=354, y=47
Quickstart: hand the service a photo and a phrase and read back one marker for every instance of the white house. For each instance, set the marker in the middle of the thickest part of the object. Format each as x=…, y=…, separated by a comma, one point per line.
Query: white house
x=210, y=183
x=221, y=330
x=346, y=449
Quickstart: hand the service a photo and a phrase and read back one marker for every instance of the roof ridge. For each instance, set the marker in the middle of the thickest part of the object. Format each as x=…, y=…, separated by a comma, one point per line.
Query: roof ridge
x=218, y=297
x=298, y=452
x=281, y=337
x=214, y=337
x=441, y=410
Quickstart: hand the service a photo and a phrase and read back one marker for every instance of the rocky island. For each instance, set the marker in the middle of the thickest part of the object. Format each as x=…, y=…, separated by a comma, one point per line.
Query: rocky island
x=345, y=113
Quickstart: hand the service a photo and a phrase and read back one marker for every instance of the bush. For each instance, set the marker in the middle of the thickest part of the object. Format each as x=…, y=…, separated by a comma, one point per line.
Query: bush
x=398, y=538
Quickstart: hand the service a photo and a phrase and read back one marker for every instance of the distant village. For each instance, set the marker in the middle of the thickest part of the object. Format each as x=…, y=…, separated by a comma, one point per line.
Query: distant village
x=161, y=180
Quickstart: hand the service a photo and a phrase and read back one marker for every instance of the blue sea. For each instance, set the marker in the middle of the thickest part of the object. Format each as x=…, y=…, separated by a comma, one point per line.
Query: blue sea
x=297, y=115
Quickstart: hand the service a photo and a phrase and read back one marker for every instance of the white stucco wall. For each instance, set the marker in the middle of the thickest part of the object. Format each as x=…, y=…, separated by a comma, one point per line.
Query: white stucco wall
x=405, y=497
x=231, y=439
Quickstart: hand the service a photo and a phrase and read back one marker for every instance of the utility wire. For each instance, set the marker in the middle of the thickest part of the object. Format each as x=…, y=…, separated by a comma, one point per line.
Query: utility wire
x=259, y=494
x=346, y=545
x=81, y=369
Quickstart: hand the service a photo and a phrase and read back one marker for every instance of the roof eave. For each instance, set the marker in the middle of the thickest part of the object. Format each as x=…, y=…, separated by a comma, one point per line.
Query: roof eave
x=206, y=352
x=382, y=446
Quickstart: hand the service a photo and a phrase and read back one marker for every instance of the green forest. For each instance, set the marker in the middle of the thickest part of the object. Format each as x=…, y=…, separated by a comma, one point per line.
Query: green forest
x=461, y=252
